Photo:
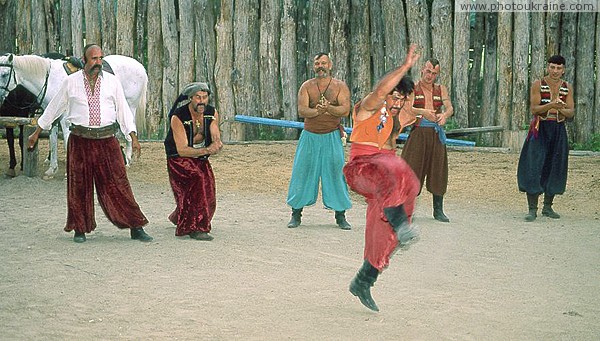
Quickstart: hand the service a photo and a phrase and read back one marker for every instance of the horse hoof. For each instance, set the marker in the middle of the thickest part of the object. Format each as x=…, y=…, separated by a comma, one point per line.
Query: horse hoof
x=11, y=173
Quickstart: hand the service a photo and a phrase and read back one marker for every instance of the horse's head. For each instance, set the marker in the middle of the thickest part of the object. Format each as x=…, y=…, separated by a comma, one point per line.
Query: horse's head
x=7, y=76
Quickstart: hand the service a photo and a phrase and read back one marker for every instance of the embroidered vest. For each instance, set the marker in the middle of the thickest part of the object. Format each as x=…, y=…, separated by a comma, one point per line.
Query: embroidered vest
x=546, y=97
x=420, y=97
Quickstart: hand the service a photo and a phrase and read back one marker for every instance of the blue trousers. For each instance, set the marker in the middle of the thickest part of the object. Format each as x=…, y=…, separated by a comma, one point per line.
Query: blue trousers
x=319, y=157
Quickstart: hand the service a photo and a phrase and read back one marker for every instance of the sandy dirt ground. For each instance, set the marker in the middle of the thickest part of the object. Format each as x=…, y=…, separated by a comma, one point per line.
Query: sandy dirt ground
x=486, y=275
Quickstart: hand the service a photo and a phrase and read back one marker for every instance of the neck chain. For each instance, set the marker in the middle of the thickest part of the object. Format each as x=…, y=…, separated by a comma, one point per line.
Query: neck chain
x=322, y=98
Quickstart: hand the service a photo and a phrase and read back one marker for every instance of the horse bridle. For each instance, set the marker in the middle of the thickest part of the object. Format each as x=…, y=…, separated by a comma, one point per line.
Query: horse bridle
x=13, y=74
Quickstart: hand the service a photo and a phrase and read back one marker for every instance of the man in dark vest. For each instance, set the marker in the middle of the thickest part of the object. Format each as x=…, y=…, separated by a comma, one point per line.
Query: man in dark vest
x=544, y=158
x=425, y=149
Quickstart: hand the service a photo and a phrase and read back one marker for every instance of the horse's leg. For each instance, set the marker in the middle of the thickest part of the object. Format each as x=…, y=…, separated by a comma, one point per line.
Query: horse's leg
x=49, y=174
x=21, y=145
x=10, y=139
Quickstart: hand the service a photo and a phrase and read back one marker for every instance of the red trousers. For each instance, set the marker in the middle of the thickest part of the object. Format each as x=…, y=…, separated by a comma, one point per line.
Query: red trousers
x=385, y=180
x=99, y=163
x=193, y=184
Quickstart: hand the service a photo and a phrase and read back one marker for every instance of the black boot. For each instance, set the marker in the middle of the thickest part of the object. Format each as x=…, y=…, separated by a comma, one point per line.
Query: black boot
x=406, y=232
x=296, y=215
x=438, y=209
x=547, y=209
x=532, y=203
x=340, y=220
x=362, y=283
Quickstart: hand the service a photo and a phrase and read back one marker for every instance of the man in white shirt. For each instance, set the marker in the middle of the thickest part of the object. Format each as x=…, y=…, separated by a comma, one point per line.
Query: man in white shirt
x=93, y=102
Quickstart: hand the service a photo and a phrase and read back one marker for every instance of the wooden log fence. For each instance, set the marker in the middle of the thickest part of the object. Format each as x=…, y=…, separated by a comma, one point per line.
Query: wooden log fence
x=255, y=54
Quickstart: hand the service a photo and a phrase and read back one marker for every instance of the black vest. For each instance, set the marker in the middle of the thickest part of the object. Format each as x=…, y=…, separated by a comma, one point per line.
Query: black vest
x=183, y=113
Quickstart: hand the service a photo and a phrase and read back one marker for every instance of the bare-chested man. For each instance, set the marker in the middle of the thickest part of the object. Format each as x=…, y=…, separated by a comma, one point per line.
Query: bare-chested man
x=322, y=102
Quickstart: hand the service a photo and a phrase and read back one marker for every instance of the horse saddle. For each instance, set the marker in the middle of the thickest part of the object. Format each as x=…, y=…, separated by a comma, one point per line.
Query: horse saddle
x=73, y=64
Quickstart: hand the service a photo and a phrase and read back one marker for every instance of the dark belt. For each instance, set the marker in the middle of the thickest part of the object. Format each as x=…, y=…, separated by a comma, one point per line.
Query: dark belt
x=93, y=133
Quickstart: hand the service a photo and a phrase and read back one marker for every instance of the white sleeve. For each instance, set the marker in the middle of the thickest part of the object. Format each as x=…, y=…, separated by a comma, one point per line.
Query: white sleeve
x=56, y=107
x=124, y=115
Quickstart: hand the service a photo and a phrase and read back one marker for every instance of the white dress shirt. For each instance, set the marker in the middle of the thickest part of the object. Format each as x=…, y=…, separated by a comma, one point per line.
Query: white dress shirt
x=72, y=100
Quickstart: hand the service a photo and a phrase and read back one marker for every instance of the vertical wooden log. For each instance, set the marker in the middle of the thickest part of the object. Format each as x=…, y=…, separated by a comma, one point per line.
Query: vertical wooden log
x=596, y=129
x=318, y=28
x=108, y=19
x=419, y=32
x=91, y=11
x=288, y=64
x=187, y=33
x=505, y=71
x=552, y=33
x=395, y=34
x=520, y=111
x=377, y=40
x=302, y=42
x=441, y=38
x=338, y=43
x=30, y=157
x=245, y=62
x=8, y=28
x=460, y=68
x=538, y=47
x=23, y=29
x=52, y=21
x=38, y=25
x=124, y=26
x=66, y=36
x=360, y=66
x=269, y=77
x=477, y=39
x=170, y=86
x=141, y=37
x=489, y=92
x=584, y=81
x=206, y=43
x=224, y=65
x=77, y=27
x=156, y=117
x=568, y=47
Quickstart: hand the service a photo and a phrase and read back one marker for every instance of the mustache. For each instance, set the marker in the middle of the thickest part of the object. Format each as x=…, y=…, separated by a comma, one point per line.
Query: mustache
x=97, y=67
x=321, y=69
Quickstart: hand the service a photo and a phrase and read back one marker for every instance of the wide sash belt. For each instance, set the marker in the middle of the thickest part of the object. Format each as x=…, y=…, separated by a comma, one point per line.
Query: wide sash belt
x=93, y=133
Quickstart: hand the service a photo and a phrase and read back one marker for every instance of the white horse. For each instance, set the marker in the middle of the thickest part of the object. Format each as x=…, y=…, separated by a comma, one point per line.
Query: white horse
x=43, y=77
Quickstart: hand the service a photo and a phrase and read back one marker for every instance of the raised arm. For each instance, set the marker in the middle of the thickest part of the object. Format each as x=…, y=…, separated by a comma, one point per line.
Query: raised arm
x=374, y=99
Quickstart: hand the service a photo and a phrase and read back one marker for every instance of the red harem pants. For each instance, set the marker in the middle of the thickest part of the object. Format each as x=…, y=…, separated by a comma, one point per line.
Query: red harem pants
x=99, y=163
x=193, y=184
x=385, y=180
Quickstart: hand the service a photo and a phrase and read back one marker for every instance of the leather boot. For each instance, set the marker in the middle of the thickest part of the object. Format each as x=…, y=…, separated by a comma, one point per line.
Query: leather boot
x=547, y=209
x=362, y=283
x=296, y=218
x=340, y=220
x=405, y=231
x=140, y=234
x=532, y=203
x=438, y=209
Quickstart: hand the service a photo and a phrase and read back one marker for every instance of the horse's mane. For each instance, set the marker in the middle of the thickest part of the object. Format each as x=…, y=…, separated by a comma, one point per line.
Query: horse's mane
x=36, y=66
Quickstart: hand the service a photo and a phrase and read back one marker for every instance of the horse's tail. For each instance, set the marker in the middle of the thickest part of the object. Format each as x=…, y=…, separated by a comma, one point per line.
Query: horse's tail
x=140, y=112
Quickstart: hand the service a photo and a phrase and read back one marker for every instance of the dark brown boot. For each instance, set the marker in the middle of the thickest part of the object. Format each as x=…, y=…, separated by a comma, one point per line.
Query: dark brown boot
x=296, y=218
x=362, y=283
x=547, y=210
x=532, y=203
x=340, y=220
x=438, y=209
